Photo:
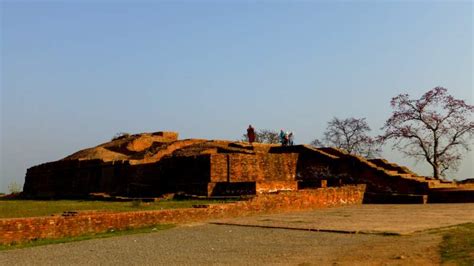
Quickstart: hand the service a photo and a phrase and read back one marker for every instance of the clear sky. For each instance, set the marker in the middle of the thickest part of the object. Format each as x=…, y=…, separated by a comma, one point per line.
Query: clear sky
x=74, y=73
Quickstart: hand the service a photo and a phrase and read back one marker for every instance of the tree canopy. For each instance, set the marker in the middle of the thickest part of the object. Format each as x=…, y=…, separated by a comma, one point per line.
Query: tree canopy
x=436, y=127
x=350, y=134
x=265, y=136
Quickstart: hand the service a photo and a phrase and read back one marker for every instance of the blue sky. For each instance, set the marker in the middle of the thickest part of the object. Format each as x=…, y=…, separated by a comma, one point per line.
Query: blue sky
x=74, y=73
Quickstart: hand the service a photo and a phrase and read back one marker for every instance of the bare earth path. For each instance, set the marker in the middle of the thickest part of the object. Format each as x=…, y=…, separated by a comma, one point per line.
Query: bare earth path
x=204, y=244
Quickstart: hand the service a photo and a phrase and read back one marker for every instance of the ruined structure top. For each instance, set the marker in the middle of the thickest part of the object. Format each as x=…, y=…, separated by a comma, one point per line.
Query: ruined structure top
x=125, y=147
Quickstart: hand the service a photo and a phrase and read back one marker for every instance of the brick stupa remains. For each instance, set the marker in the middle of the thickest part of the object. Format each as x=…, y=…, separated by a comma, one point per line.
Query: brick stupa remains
x=152, y=164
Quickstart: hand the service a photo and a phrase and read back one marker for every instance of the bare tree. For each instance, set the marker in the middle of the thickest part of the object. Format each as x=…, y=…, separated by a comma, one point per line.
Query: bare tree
x=265, y=136
x=317, y=143
x=350, y=134
x=436, y=128
x=268, y=136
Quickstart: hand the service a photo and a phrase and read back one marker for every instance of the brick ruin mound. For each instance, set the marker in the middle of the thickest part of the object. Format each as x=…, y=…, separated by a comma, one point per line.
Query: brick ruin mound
x=127, y=147
x=152, y=164
x=152, y=147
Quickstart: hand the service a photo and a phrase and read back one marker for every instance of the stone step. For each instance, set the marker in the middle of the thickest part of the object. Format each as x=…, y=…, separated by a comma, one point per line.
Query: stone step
x=438, y=184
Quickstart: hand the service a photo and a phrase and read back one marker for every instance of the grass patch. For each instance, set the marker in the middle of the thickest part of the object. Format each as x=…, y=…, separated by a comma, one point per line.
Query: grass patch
x=457, y=247
x=33, y=208
x=42, y=242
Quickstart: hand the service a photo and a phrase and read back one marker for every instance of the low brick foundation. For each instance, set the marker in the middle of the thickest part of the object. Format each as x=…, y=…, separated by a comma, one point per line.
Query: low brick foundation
x=19, y=230
x=392, y=198
x=451, y=195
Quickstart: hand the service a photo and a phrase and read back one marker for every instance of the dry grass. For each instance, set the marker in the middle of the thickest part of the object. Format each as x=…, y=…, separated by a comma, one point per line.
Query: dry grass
x=457, y=247
x=33, y=208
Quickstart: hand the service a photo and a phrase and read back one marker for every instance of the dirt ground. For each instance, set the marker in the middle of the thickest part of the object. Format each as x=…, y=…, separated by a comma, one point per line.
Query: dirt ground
x=254, y=244
x=387, y=219
x=208, y=244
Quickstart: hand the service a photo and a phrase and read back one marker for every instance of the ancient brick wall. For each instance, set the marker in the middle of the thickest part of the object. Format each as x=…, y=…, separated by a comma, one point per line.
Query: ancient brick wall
x=252, y=168
x=329, y=164
x=461, y=195
x=24, y=229
x=186, y=169
x=234, y=174
x=74, y=178
x=272, y=186
x=167, y=149
x=204, y=167
x=379, y=180
x=316, y=166
x=167, y=135
x=218, y=169
x=391, y=166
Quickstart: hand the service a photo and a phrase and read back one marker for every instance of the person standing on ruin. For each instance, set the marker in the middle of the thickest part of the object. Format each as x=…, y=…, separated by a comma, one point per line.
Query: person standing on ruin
x=290, y=138
x=251, y=134
x=282, y=138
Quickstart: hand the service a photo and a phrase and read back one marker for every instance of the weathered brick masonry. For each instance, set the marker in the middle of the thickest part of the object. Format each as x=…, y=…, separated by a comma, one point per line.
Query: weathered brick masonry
x=152, y=164
x=25, y=229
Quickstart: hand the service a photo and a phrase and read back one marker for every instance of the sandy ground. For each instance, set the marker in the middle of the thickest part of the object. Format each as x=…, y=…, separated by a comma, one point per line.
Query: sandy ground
x=212, y=244
x=377, y=219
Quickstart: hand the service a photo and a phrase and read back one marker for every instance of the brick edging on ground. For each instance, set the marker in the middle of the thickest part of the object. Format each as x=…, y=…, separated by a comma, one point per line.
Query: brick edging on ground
x=20, y=230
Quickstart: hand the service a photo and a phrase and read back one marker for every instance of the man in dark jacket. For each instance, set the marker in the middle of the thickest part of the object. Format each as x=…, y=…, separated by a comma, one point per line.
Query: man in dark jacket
x=251, y=134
